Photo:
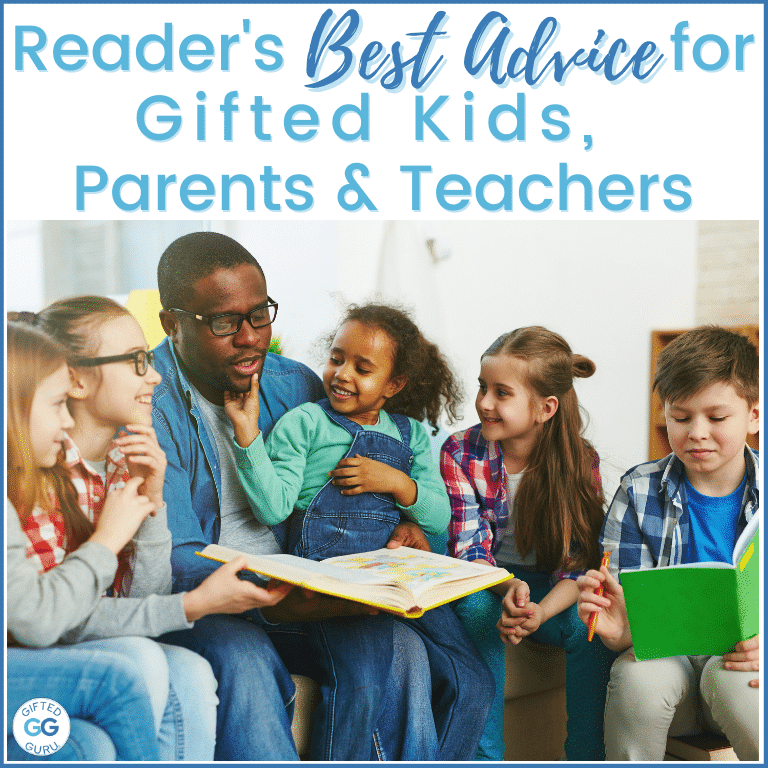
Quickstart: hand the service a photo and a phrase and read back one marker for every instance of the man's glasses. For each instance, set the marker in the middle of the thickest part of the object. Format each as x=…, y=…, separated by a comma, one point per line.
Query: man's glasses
x=229, y=324
x=142, y=359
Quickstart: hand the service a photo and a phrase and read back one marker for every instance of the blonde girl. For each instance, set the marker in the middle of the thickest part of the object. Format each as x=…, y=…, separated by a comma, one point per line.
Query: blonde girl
x=111, y=445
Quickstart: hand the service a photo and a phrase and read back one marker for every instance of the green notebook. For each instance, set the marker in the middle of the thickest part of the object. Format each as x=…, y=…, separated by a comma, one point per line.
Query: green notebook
x=697, y=608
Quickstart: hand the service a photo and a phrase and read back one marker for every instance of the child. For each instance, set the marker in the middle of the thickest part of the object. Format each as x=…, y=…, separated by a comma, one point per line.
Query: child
x=526, y=495
x=116, y=720
x=381, y=378
x=688, y=507
x=112, y=383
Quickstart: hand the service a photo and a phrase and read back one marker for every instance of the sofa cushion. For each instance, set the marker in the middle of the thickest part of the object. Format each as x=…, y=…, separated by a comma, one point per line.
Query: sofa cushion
x=532, y=667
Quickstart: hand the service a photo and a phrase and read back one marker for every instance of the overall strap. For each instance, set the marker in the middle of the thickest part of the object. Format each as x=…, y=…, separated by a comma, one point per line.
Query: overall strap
x=403, y=423
x=351, y=426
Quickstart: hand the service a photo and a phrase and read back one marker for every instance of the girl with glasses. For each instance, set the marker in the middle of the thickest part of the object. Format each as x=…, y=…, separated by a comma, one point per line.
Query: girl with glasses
x=110, y=444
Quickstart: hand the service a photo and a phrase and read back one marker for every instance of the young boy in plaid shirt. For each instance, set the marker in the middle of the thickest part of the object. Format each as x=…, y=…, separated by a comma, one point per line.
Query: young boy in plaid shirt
x=688, y=507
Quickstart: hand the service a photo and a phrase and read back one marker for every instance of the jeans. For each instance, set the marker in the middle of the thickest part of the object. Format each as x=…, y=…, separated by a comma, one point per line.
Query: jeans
x=253, y=665
x=587, y=670
x=182, y=692
x=478, y=614
x=256, y=692
x=104, y=692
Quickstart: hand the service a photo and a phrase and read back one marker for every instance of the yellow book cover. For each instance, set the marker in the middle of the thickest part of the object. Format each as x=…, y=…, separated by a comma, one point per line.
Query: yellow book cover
x=405, y=581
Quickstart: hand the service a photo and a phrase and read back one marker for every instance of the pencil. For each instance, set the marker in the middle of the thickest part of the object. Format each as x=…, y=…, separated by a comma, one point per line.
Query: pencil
x=593, y=618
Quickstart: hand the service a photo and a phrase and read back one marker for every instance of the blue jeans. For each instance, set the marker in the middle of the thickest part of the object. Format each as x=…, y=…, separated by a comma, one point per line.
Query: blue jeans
x=253, y=665
x=104, y=692
x=587, y=669
x=182, y=692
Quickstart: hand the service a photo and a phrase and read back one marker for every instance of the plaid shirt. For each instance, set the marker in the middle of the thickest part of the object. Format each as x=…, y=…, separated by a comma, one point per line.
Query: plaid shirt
x=47, y=538
x=45, y=530
x=476, y=481
x=92, y=493
x=649, y=523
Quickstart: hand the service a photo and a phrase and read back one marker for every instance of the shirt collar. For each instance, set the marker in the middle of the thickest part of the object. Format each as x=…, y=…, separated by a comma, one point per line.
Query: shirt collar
x=74, y=459
x=674, y=476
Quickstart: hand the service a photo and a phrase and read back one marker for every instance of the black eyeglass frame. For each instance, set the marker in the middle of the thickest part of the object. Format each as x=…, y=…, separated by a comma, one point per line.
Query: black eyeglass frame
x=142, y=358
x=240, y=318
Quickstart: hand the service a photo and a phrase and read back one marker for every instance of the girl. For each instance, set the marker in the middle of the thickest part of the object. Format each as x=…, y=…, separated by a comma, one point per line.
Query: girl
x=112, y=384
x=526, y=494
x=104, y=693
x=381, y=378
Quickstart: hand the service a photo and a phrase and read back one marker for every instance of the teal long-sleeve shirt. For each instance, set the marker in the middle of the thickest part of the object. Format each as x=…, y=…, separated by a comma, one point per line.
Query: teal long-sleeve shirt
x=287, y=471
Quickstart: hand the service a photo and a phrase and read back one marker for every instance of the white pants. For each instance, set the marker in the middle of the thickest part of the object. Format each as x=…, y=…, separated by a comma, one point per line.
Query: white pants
x=678, y=696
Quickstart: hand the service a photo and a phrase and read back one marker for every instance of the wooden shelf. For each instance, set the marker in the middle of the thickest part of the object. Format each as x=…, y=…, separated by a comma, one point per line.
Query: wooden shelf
x=658, y=445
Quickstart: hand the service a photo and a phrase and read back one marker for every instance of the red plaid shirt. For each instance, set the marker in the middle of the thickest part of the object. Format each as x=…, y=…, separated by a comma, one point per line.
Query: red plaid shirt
x=476, y=481
x=45, y=530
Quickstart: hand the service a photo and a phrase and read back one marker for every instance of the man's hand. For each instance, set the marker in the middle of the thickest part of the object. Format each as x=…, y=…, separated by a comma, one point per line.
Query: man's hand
x=243, y=411
x=745, y=657
x=304, y=605
x=408, y=535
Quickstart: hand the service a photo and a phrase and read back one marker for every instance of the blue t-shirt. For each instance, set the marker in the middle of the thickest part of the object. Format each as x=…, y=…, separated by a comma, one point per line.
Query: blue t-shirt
x=713, y=522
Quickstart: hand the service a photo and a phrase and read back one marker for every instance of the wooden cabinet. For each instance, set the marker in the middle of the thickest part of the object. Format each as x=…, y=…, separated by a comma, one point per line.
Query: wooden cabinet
x=658, y=445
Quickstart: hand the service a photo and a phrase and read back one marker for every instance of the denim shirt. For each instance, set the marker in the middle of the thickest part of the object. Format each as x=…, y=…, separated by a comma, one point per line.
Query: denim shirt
x=648, y=523
x=193, y=476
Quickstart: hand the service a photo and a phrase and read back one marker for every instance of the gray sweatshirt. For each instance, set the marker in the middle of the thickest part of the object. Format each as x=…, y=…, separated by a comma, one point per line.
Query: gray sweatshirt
x=66, y=605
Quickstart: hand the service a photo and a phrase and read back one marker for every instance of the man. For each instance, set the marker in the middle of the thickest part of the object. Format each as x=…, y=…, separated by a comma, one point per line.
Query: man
x=217, y=315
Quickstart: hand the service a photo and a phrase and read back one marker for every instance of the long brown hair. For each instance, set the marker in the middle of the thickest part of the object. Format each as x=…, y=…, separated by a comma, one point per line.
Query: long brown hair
x=559, y=504
x=33, y=356
x=75, y=322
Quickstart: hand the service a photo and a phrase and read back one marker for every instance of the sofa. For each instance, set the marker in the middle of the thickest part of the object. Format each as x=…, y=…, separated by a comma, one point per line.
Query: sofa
x=534, y=711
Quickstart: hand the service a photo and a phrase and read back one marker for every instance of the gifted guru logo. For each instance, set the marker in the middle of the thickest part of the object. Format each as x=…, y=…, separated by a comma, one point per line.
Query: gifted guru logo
x=41, y=727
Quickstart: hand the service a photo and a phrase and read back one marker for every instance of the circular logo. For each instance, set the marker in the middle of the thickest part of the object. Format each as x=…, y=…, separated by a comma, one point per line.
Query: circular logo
x=41, y=727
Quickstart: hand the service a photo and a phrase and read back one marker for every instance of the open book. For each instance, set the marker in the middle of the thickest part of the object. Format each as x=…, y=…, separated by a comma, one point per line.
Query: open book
x=404, y=580
x=696, y=608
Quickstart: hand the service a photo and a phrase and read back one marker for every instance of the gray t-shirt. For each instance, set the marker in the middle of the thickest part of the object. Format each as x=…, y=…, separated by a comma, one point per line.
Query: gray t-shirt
x=508, y=554
x=239, y=528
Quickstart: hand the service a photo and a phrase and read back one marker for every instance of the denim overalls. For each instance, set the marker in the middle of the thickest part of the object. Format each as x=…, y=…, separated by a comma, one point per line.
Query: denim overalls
x=334, y=524
x=341, y=525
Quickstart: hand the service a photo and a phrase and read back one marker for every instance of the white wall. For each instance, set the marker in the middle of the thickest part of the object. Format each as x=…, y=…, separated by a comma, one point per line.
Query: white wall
x=603, y=285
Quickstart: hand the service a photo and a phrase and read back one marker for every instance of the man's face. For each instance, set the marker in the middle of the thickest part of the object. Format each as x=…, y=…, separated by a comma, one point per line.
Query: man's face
x=218, y=363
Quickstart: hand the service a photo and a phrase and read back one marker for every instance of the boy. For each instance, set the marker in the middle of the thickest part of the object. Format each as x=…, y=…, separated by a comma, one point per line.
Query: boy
x=688, y=507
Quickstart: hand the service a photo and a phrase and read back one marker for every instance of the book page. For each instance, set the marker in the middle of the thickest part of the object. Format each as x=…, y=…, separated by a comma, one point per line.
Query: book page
x=419, y=570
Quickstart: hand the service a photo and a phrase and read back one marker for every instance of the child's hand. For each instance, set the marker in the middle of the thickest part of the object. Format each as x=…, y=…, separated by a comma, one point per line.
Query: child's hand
x=516, y=611
x=124, y=511
x=146, y=459
x=745, y=657
x=224, y=592
x=243, y=411
x=361, y=475
x=612, y=622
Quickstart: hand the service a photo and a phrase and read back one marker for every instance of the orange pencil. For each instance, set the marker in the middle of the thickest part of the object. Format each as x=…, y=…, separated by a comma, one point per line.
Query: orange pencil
x=593, y=618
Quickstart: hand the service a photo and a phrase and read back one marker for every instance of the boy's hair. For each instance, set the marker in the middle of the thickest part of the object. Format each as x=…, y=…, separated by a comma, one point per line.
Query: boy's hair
x=33, y=356
x=704, y=356
x=558, y=503
x=431, y=385
x=75, y=323
x=192, y=257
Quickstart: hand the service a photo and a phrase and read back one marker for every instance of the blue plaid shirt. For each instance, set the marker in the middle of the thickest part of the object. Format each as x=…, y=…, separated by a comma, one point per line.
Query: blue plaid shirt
x=648, y=524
